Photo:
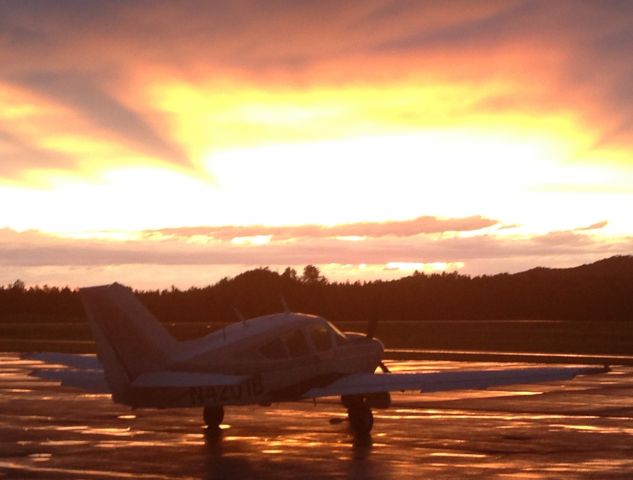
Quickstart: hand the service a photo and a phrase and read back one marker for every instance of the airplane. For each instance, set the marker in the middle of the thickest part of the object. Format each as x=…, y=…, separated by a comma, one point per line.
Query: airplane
x=258, y=361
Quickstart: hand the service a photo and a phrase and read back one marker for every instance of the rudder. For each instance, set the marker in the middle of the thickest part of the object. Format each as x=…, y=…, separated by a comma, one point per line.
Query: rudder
x=130, y=340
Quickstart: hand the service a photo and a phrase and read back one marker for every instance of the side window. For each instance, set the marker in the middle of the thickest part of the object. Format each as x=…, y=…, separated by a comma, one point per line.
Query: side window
x=296, y=344
x=248, y=354
x=320, y=337
x=274, y=350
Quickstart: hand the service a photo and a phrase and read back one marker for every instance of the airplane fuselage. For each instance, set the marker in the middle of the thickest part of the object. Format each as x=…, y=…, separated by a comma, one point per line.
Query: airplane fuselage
x=279, y=357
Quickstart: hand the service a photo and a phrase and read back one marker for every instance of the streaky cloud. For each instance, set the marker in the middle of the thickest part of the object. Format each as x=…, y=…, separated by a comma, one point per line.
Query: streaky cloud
x=36, y=249
x=497, y=24
x=46, y=44
x=404, y=228
x=81, y=93
x=21, y=152
x=594, y=226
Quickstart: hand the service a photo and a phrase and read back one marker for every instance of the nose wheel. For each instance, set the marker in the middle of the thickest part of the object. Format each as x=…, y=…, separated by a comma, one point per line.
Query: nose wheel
x=213, y=416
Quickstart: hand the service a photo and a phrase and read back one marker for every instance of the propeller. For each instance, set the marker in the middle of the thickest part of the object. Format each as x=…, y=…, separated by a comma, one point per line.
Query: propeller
x=239, y=315
x=371, y=333
x=371, y=327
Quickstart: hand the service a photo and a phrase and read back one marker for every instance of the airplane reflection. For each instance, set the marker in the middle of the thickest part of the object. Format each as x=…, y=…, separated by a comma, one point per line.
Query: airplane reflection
x=287, y=457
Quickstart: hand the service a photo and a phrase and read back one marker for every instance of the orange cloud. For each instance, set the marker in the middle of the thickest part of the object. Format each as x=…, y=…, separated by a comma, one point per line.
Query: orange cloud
x=594, y=226
x=405, y=228
x=98, y=60
x=29, y=254
x=92, y=103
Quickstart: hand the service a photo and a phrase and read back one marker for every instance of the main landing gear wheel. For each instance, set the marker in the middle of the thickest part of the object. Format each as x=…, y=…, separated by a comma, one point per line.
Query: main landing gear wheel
x=358, y=413
x=213, y=416
x=361, y=419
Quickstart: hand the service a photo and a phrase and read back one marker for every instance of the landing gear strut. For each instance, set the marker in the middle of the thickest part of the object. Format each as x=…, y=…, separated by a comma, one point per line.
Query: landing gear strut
x=361, y=419
x=213, y=416
x=359, y=414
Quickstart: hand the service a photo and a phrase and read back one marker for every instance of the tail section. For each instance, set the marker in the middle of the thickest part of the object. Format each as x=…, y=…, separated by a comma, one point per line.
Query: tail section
x=130, y=340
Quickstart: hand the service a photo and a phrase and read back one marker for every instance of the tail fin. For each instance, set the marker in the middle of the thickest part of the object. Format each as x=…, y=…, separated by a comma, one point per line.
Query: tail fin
x=130, y=340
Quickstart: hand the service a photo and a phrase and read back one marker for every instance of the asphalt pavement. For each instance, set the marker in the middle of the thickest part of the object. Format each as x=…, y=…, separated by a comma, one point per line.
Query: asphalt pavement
x=574, y=430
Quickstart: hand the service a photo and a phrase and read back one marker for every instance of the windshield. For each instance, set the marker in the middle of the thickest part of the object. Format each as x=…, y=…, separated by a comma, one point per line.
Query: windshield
x=339, y=336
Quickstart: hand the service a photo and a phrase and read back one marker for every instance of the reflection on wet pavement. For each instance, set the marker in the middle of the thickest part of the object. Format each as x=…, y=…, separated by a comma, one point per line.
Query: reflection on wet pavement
x=580, y=429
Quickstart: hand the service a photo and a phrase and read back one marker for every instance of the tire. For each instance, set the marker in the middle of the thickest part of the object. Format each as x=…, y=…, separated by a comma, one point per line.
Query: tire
x=361, y=419
x=213, y=416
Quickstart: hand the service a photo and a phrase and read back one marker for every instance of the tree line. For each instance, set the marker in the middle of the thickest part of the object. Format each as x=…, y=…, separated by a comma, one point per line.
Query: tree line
x=600, y=291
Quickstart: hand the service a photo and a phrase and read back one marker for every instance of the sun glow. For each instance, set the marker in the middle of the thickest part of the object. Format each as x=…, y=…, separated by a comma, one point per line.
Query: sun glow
x=277, y=154
x=227, y=115
x=433, y=267
x=254, y=240
x=449, y=172
x=126, y=199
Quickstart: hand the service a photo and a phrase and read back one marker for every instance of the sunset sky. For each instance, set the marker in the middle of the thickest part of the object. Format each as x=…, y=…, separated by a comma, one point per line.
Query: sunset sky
x=174, y=143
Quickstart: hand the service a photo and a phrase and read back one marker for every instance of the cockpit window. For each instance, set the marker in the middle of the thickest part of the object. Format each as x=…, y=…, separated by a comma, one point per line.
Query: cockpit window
x=320, y=336
x=339, y=337
x=296, y=344
x=274, y=350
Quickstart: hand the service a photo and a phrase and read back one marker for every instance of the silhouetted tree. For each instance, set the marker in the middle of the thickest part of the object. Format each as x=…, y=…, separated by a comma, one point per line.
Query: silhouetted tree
x=18, y=285
x=600, y=291
x=312, y=274
x=289, y=274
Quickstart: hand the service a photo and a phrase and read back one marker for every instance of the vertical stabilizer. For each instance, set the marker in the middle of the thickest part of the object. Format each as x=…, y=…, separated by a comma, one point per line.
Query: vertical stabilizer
x=130, y=340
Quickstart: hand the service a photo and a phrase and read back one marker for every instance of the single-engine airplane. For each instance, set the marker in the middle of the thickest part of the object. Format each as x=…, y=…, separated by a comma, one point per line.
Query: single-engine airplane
x=264, y=360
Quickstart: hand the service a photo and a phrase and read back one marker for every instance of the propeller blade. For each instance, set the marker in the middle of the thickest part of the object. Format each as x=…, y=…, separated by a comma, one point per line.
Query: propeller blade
x=371, y=327
x=384, y=368
x=239, y=315
x=284, y=304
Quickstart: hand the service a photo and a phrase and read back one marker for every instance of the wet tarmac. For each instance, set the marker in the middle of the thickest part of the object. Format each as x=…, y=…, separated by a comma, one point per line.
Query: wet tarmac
x=576, y=430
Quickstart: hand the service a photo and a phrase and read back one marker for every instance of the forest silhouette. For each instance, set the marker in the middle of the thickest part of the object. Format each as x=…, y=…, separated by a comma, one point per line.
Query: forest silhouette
x=601, y=291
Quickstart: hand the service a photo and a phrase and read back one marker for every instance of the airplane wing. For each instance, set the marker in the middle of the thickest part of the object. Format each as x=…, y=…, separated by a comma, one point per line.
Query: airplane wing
x=364, y=383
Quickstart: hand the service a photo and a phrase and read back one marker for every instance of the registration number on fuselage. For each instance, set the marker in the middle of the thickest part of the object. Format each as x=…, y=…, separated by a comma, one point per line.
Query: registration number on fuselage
x=227, y=394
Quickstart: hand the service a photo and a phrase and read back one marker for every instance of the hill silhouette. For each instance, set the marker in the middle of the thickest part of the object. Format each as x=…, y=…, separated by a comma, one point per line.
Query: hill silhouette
x=601, y=291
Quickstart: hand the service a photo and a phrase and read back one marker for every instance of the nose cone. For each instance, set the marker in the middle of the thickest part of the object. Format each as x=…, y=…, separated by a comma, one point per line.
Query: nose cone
x=369, y=351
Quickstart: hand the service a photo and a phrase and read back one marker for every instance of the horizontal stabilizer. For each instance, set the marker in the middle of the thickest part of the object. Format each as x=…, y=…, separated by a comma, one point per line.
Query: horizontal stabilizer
x=362, y=383
x=186, y=379
x=90, y=380
x=73, y=360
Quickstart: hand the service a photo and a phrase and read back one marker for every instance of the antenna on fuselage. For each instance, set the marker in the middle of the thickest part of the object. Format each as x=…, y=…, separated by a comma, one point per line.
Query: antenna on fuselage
x=239, y=315
x=284, y=304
